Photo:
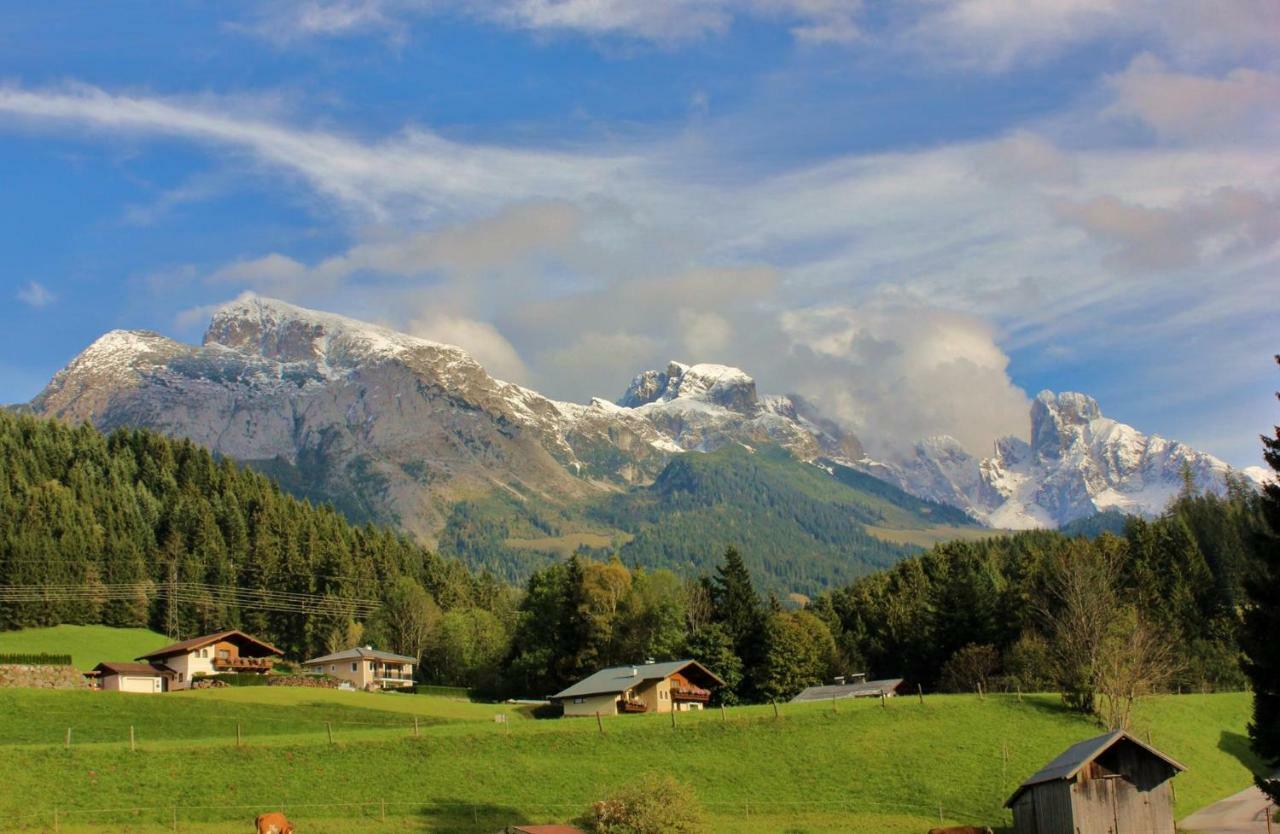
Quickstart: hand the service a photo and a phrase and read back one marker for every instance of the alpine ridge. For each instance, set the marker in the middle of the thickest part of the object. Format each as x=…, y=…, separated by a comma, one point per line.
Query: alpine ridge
x=395, y=428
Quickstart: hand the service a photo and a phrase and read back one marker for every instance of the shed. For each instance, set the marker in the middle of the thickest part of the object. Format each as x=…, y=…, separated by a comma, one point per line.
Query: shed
x=860, y=687
x=1111, y=784
x=132, y=677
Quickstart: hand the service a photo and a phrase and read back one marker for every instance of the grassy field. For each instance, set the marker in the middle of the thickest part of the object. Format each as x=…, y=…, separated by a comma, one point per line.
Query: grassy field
x=863, y=768
x=87, y=645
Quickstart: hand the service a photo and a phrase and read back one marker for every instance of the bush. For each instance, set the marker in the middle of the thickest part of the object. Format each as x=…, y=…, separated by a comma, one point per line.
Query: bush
x=238, y=678
x=971, y=667
x=653, y=804
x=35, y=659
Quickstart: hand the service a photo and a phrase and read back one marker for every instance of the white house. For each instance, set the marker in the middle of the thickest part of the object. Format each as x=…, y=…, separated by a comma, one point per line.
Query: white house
x=225, y=651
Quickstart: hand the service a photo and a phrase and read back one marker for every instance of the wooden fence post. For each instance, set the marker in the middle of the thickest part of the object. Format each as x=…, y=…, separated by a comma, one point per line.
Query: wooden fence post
x=723, y=717
x=673, y=716
x=415, y=726
x=884, y=699
x=68, y=742
x=599, y=723
x=775, y=708
x=55, y=820
x=920, y=692
x=239, y=736
x=383, y=812
x=834, y=707
x=175, y=817
x=132, y=743
x=328, y=725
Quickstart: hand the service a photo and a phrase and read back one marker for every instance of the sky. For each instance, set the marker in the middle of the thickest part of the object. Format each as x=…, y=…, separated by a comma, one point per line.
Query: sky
x=917, y=214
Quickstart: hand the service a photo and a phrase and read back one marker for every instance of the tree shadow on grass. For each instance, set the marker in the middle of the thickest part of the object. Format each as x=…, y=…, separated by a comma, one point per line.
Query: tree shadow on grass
x=471, y=817
x=1236, y=745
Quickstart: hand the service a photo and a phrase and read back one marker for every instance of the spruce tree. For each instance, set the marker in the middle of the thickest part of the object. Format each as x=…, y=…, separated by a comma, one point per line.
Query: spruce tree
x=1261, y=637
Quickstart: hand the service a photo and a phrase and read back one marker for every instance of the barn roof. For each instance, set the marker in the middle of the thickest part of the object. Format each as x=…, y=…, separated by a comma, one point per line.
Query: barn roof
x=1075, y=757
x=360, y=652
x=207, y=640
x=861, y=689
x=622, y=678
x=112, y=667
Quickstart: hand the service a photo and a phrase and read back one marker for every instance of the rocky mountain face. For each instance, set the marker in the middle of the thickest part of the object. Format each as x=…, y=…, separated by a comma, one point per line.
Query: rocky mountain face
x=395, y=428
x=1077, y=463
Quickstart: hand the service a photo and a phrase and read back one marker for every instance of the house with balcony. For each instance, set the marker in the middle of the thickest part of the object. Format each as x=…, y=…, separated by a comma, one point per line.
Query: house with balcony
x=673, y=686
x=224, y=651
x=364, y=667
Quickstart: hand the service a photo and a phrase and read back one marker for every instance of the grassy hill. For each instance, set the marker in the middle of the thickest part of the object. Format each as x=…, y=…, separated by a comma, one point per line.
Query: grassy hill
x=864, y=768
x=88, y=645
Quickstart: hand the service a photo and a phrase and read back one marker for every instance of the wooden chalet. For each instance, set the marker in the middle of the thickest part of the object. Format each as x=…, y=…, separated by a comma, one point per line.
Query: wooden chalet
x=677, y=685
x=224, y=651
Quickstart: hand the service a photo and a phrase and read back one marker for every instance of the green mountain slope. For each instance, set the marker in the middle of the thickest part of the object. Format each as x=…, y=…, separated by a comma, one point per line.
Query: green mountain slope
x=800, y=527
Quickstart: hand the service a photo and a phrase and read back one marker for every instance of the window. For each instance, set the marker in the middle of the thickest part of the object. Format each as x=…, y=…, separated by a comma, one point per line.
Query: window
x=333, y=667
x=179, y=677
x=579, y=700
x=355, y=667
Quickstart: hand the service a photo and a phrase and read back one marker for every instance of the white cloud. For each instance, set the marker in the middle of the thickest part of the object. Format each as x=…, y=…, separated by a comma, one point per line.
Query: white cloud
x=669, y=21
x=1001, y=34
x=35, y=294
x=481, y=339
x=1244, y=104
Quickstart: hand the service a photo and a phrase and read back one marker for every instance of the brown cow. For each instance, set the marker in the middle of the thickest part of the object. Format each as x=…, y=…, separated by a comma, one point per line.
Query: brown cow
x=273, y=823
x=960, y=829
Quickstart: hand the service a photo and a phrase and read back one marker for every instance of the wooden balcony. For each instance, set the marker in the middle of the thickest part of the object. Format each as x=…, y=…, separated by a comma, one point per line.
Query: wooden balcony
x=690, y=693
x=243, y=664
x=626, y=706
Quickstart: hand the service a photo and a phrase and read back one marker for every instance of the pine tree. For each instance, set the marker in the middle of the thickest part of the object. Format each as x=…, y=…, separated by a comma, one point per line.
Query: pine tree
x=1261, y=637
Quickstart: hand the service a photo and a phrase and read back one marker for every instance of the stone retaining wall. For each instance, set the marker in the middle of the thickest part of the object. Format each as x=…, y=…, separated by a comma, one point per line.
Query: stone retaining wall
x=42, y=677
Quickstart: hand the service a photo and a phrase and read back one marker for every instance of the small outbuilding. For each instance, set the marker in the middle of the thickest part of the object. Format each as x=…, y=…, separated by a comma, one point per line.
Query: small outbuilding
x=851, y=686
x=1112, y=784
x=675, y=686
x=131, y=677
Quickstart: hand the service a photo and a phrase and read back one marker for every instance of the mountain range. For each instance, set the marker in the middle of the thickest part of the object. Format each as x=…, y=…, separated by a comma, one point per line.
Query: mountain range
x=398, y=429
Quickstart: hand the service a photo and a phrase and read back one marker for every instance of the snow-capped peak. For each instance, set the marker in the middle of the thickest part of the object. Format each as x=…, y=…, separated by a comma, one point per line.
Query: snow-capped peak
x=720, y=385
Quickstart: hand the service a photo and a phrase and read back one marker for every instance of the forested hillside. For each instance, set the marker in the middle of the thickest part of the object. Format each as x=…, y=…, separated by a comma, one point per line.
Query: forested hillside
x=134, y=528
x=123, y=529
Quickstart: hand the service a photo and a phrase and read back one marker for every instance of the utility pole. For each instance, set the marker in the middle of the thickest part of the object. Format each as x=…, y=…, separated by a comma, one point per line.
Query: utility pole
x=171, y=608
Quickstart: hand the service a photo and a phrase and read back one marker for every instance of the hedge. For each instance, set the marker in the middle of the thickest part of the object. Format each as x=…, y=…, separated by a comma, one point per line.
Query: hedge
x=41, y=659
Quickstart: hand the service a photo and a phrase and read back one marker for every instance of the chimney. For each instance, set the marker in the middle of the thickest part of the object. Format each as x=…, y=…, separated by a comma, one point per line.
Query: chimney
x=634, y=671
x=839, y=680
x=649, y=661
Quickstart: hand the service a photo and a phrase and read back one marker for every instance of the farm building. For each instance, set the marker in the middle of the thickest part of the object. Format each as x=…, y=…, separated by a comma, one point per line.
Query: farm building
x=225, y=651
x=130, y=677
x=853, y=686
x=1112, y=784
x=364, y=667
x=678, y=685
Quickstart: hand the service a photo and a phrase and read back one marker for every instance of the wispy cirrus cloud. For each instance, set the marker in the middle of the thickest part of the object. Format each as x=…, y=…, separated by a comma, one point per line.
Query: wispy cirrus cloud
x=35, y=294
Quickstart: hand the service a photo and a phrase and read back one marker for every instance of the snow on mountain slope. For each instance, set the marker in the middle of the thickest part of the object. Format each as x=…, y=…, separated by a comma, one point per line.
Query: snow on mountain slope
x=406, y=425
x=1078, y=463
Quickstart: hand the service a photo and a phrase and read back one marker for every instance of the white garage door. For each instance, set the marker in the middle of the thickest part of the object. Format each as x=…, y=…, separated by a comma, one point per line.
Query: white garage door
x=139, y=684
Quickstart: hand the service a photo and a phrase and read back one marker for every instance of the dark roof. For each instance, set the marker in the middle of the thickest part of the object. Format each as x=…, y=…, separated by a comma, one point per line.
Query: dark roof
x=848, y=690
x=546, y=829
x=622, y=678
x=1070, y=761
x=112, y=667
x=358, y=652
x=206, y=640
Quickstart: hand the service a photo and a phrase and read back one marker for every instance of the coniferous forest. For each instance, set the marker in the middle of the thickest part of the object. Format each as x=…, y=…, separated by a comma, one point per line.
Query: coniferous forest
x=137, y=529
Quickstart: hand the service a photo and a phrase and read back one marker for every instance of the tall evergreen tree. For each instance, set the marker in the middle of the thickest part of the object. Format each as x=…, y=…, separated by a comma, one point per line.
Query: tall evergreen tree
x=1261, y=637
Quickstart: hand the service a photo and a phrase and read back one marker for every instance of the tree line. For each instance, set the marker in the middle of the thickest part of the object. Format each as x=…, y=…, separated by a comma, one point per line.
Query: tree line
x=1161, y=605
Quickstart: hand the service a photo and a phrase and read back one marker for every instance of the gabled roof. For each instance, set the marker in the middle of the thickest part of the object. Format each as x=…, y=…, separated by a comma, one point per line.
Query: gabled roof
x=112, y=667
x=622, y=678
x=357, y=653
x=848, y=690
x=207, y=640
x=1070, y=762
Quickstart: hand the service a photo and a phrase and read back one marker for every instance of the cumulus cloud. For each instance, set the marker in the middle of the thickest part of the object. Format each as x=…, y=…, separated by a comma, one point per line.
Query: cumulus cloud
x=35, y=294
x=481, y=339
x=1243, y=104
x=1227, y=221
x=999, y=35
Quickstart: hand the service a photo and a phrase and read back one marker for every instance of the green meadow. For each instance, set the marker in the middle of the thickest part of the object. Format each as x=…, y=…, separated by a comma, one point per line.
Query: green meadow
x=339, y=761
x=88, y=645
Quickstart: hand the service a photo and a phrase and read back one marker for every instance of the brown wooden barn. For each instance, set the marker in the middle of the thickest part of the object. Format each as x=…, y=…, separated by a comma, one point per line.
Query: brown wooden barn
x=1112, y=784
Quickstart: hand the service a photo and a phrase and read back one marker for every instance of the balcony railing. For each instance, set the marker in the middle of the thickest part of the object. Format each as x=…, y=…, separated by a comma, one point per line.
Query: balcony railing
x=625, y=705
x=243, y=664
x=690, y=693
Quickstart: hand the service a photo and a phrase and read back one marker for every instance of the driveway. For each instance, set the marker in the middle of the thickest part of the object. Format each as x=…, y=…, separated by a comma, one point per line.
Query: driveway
x=1244, y=813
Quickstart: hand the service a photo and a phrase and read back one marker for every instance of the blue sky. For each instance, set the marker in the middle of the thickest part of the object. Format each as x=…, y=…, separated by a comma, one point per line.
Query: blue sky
x=916, y=213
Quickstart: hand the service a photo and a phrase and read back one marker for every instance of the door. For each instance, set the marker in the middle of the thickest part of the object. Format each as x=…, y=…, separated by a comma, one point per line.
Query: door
x=139, y=684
